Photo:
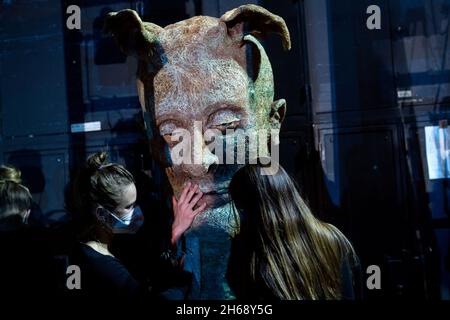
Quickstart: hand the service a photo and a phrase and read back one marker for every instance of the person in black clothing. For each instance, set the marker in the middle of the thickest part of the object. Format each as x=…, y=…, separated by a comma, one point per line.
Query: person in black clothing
x=104, y=204
x=35, y=217
x=283, y=251
x=26, y=269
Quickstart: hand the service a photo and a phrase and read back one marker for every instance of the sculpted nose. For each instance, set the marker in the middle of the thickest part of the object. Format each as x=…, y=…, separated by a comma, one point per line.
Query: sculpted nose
x=202, y=162
x=202, y=157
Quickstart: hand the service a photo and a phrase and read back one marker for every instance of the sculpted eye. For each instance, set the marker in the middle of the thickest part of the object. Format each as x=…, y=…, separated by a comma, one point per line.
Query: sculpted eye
x=166, y=129
x=227, y=125
x=225, y=119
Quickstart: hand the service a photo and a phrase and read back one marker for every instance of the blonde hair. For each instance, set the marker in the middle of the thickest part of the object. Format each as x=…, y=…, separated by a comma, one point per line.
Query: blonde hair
x=98, y=183
x=15, y=198
x=10, y=173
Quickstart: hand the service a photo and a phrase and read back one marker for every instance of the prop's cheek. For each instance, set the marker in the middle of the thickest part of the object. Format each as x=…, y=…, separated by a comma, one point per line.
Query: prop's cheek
x=141, y=93
x=178, y=180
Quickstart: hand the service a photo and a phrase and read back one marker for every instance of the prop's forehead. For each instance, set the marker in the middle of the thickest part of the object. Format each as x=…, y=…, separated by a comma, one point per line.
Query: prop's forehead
x=193, y=31
x=202, y=68
x=197, y=86
x=198, y=40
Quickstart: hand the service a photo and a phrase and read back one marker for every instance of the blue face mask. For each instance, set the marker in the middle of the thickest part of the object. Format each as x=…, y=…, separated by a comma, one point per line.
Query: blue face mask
x=130, y=223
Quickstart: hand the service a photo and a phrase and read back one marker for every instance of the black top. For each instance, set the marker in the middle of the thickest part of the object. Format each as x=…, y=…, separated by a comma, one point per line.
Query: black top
x=104, y=277
x=351, y=278
x=27, y=268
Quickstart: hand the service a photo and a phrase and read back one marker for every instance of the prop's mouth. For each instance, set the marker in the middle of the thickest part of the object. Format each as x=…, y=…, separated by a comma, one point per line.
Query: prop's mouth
x=216, y=192
x=215, y=198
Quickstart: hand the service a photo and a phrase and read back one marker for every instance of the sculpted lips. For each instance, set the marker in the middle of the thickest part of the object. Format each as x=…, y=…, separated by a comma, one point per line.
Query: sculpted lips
x=214, y=196
x=215, y=191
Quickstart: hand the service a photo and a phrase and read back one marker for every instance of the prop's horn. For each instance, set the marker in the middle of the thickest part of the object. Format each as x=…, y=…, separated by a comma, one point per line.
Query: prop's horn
x=133, y=36
x=260, y=22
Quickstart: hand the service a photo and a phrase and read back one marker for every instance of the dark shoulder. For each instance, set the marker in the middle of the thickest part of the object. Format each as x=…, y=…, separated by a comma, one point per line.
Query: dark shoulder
x=106, y=265
x=351, y=285
x=351, y=279
x=104, y=273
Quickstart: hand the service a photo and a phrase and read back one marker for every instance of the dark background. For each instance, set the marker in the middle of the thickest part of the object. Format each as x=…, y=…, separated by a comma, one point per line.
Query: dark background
x=356, y=148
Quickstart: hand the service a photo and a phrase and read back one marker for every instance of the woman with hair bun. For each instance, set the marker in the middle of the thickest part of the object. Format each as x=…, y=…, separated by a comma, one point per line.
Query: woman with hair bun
x=104, y=204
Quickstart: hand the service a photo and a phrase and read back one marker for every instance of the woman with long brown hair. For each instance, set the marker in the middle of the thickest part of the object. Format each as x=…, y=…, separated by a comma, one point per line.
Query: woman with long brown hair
x=283, y=251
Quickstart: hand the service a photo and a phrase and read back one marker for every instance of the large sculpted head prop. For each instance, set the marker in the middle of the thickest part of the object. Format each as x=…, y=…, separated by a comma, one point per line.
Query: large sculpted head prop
x=202, y=74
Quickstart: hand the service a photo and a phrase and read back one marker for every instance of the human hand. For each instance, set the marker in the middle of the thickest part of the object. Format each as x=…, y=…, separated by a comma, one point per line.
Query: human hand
x=183, y=210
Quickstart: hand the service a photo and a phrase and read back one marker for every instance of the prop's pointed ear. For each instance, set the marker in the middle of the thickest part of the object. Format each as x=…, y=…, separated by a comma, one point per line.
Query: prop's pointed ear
x=260, y=22
x=277, y=112
x=133, y=36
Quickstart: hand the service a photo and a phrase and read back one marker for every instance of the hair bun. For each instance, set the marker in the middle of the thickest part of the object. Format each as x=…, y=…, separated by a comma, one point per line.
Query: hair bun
x=95, y=161
x=8, y=173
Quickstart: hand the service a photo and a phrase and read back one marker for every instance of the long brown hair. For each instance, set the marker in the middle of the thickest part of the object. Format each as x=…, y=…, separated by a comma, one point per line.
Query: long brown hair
x=290, y=253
